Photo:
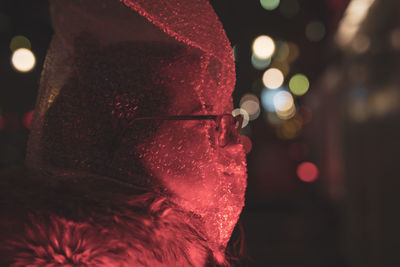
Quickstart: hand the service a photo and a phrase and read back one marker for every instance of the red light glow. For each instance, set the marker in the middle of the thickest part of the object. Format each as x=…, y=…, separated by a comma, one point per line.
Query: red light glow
x=307, y=172
x=27, y=119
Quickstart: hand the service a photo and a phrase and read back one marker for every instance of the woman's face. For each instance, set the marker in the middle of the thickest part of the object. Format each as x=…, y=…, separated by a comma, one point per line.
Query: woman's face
x=206, y=178
x=184, y=156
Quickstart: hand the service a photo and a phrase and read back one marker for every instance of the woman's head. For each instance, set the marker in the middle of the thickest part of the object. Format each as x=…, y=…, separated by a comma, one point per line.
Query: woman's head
x=86, y=113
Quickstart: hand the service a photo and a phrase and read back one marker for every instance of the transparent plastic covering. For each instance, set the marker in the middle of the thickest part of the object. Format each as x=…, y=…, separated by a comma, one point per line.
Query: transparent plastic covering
x=112, y=61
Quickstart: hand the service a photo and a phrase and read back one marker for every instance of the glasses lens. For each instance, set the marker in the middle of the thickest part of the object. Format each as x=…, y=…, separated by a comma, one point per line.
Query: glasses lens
x=238, y=121
x=228, y=129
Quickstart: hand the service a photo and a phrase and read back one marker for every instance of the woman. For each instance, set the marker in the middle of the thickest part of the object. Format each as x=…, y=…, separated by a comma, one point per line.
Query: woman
x=133, y=158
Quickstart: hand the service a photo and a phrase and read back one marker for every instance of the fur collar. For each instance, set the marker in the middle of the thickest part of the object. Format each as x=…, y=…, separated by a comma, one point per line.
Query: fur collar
x=77, y=219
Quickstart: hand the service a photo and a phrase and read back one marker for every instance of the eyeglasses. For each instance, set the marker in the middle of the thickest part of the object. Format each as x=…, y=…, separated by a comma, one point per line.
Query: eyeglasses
x=227, y=126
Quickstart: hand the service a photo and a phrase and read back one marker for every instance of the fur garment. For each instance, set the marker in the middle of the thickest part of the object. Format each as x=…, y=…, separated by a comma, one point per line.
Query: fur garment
x=86, y=220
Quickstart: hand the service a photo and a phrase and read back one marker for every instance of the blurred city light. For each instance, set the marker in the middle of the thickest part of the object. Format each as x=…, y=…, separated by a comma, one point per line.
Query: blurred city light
x=273, y=78
x=315, y=31
x=267, y=99
x=272, y=118
x=251, y=104
x=299, y=84
x=246, y=116
x=19, y=42
x=26, y=120
x=354, y=15
x=269, y=4
x=395, y=38
x=307, y=172
x=252, y=108
x=263, y=47
x=286, y=114
x=289, y=8
x=283, y=101
x=360, y=44
x=358, y=110
x=260, y=64
x=23, y=60
x=248, y=97
x=384, y=101
x=288, y=129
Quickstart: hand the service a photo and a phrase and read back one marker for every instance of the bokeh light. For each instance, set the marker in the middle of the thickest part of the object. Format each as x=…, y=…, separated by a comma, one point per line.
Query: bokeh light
x=246, y=116
x=354, y=15
x=273, y=78
x=248, y=97
x=299, y=84
x=307, y=172
x=272, y=118
x=359, y=111
x=385, y=101
x=289, y=8
x=269, y=4
x=251, y=104
x=267, y=99
x=260, y=64
x=288, y=129
x=283, y=101
x=286, y=114
x=263, y=47
x=395, y=38
x=23, y=60
x=360, y=44
x=252, y=108
x=26, y=120
x=19, y=41
x=315, y=31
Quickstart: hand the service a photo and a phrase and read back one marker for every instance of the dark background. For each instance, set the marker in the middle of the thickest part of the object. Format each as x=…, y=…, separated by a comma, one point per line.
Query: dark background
x=349, y=215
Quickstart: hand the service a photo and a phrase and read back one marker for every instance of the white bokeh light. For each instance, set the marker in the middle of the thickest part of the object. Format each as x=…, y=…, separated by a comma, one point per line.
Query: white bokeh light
x=23, y=60
x=251, y=104
x=283, y=101
x=246, y=116
x=252, y=108
x=273, y=78
x=263, y=47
